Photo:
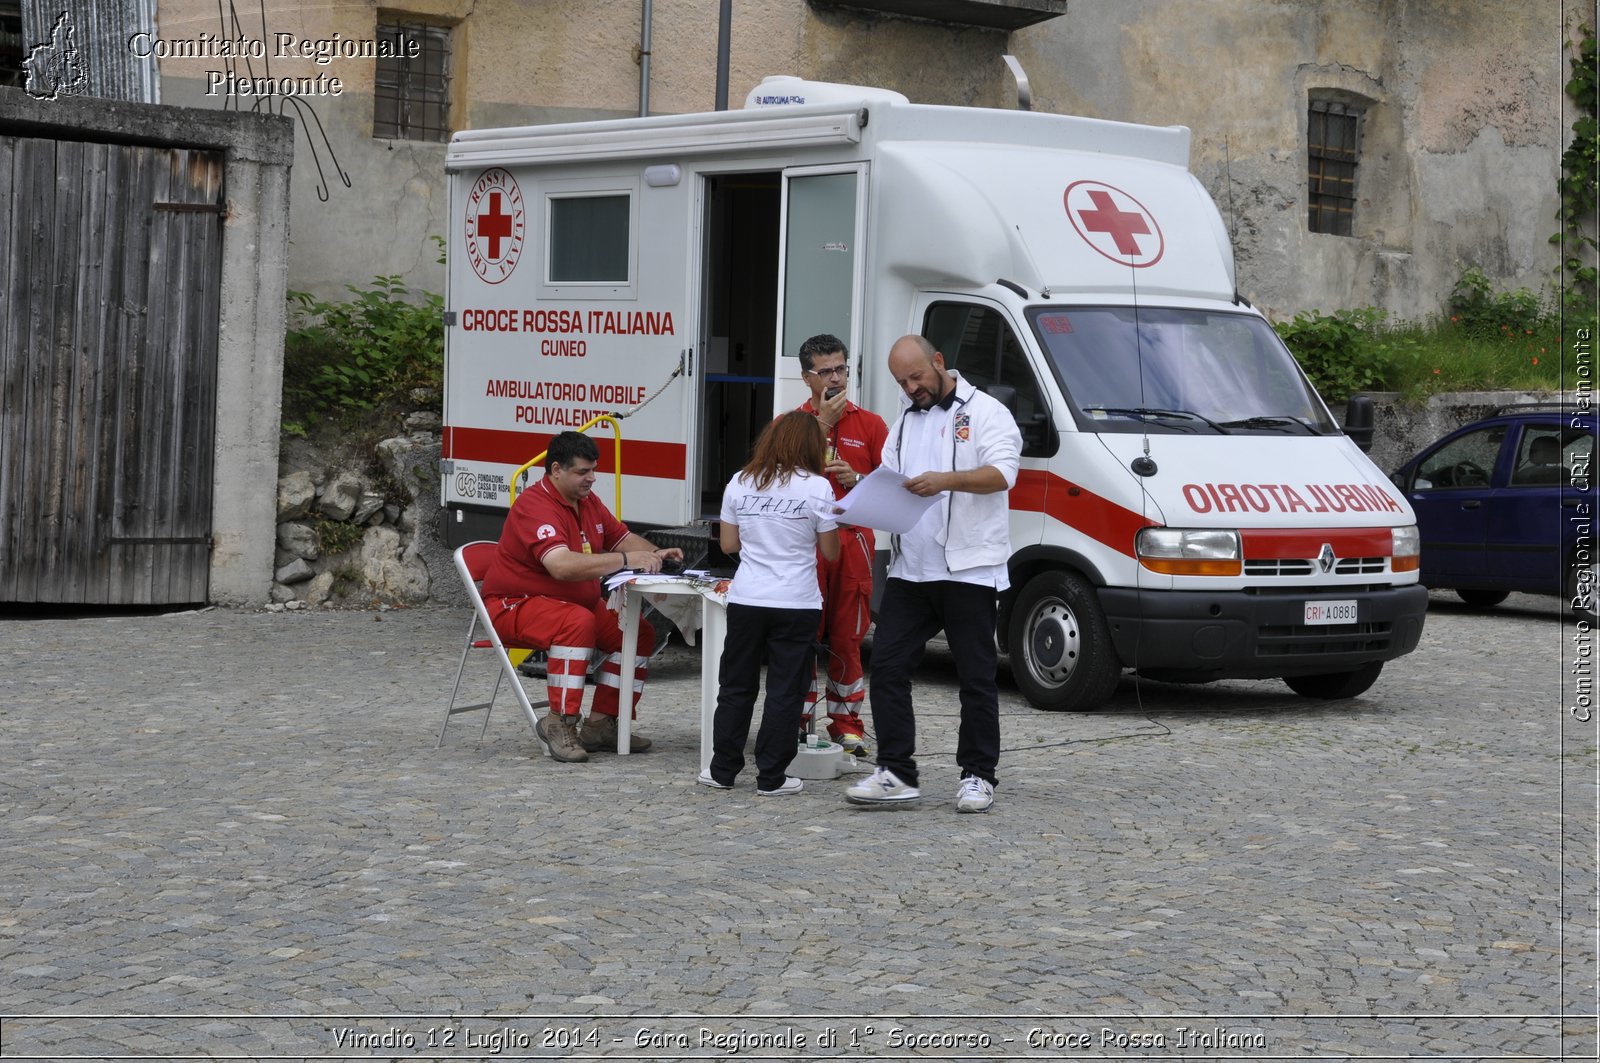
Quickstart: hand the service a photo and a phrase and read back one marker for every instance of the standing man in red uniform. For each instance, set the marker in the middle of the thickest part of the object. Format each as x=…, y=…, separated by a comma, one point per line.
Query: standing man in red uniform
x=855, y=440
x=542, y=591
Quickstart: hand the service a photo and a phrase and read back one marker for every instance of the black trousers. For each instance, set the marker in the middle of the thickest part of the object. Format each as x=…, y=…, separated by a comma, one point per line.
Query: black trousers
x=909, y=615
x=787, y=637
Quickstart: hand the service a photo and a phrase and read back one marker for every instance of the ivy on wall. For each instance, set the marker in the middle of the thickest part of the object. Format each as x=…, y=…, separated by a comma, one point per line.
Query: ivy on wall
x=1579, y=166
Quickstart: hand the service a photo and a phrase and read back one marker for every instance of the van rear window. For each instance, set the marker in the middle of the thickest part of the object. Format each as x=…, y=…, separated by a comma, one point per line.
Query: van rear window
x=589, y=239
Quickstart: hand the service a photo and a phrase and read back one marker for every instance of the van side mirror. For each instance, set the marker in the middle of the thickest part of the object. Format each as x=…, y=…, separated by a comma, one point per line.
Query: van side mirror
x=1035, y=429
x=1005, y=395
x=1358, y=421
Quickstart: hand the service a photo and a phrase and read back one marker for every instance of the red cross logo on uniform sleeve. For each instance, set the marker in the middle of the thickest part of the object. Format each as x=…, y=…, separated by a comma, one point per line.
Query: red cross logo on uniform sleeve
x=1114, y=223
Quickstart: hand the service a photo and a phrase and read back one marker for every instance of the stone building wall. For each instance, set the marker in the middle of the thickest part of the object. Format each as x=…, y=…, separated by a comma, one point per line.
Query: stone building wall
x=1461, y=145
x=360, y=524
x=1462, y=137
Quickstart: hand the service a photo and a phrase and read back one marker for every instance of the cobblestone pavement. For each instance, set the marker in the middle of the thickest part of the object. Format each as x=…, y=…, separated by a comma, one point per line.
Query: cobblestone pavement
x=228, y=833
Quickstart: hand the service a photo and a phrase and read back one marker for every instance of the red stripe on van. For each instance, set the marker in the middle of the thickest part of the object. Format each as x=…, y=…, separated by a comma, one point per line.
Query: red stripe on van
x=640, y=457
x=1304, y=543
x=1041, y=491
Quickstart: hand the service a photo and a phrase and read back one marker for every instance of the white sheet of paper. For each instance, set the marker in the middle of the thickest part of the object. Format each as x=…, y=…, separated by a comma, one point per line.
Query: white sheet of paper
x=880, y=501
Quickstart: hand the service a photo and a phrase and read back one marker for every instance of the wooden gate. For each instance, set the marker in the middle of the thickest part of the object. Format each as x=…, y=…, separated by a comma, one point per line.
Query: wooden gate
x=110, y=269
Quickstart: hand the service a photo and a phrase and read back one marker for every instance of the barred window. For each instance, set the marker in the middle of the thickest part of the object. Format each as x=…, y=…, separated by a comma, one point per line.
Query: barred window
x=1333, y=146
x=411, y=99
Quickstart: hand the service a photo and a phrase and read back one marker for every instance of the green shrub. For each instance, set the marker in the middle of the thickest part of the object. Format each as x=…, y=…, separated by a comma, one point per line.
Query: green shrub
x=337, y=536
x=1340, y=351
x=1482, y=311
x=1489, y=341
x=1580, y=190
x=1421, y=359
x=360, y=353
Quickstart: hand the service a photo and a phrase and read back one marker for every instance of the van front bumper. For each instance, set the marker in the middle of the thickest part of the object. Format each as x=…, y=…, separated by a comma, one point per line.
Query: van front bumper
x=1258, y=634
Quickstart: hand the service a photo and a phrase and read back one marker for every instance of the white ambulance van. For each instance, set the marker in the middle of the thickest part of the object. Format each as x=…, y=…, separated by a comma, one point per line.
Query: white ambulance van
x=1187, y=507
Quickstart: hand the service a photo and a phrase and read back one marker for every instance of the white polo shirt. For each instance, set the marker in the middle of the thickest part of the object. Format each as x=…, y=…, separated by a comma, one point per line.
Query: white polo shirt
x=778, y=531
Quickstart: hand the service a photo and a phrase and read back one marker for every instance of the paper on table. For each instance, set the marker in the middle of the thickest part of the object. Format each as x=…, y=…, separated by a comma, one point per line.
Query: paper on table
x=629, y=575
x=881, y=501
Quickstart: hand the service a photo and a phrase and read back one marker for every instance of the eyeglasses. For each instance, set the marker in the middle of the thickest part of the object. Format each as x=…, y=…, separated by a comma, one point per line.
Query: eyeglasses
x=838, y=372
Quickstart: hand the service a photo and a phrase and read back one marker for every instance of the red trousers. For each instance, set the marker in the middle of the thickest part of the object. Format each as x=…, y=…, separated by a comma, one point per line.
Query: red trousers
x=571, y=633
x=846, y=615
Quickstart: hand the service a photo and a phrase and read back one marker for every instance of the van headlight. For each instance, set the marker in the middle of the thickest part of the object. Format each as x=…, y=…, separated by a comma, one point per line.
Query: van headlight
x=1406, y=555
x=1189, y=551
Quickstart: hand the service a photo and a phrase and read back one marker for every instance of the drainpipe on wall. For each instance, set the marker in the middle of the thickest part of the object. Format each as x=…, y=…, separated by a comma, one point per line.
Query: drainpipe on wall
x=644, y=60
x=723, y=18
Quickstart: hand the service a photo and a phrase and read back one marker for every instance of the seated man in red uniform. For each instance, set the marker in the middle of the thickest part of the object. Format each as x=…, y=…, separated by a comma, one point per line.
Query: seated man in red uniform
x=543, y=592
x=855, y=442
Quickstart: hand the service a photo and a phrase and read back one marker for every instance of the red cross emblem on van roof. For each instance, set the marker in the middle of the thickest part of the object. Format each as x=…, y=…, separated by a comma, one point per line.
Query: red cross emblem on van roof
x=1114, y=223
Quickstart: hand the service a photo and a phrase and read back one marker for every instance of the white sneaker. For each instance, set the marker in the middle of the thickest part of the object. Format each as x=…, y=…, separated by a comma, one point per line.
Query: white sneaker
x=705, y=779
x=791, y=785
x=882, y=787
x=975, y=795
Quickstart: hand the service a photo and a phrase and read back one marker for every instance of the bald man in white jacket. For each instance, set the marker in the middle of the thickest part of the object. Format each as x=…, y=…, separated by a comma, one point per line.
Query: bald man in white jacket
x=945, y=574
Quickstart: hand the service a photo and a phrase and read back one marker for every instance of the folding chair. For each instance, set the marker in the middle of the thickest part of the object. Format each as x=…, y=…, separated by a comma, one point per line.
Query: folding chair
x=472, y=562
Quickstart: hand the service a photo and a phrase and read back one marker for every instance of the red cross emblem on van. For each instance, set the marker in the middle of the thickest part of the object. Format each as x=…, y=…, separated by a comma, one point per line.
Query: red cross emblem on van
x=1114, y=223
x=495, y=225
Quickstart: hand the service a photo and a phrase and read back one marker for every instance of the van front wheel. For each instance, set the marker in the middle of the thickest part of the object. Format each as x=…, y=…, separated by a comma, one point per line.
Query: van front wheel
x=1061, y=652
x=1332, y=686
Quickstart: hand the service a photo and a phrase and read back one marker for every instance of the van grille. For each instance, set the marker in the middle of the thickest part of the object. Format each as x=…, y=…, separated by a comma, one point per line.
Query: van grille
x=1274, y=566
x=1273, y=640
x=1350, y=566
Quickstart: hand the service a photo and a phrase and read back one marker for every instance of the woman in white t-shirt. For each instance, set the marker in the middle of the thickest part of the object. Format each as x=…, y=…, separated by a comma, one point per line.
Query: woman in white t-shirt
x=775, y=516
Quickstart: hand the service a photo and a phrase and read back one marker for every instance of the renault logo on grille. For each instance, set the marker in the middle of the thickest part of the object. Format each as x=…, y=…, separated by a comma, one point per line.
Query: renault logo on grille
x=1326, y=558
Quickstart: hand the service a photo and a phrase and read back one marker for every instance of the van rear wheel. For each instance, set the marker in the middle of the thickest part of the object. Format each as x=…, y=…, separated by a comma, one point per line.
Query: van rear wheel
x=1061, y=652
x=1332, y=686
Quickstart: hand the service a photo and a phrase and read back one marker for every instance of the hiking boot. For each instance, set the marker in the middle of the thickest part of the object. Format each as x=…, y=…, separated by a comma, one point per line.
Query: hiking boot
x=559, y=736
x=599, y=735
x=975, y=795
x=882, y=787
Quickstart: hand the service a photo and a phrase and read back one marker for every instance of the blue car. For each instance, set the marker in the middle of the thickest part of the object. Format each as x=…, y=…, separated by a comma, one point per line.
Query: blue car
x=1508, y=504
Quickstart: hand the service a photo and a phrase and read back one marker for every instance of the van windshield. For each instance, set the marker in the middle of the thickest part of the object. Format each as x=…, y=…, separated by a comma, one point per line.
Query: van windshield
x=1186, y=371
